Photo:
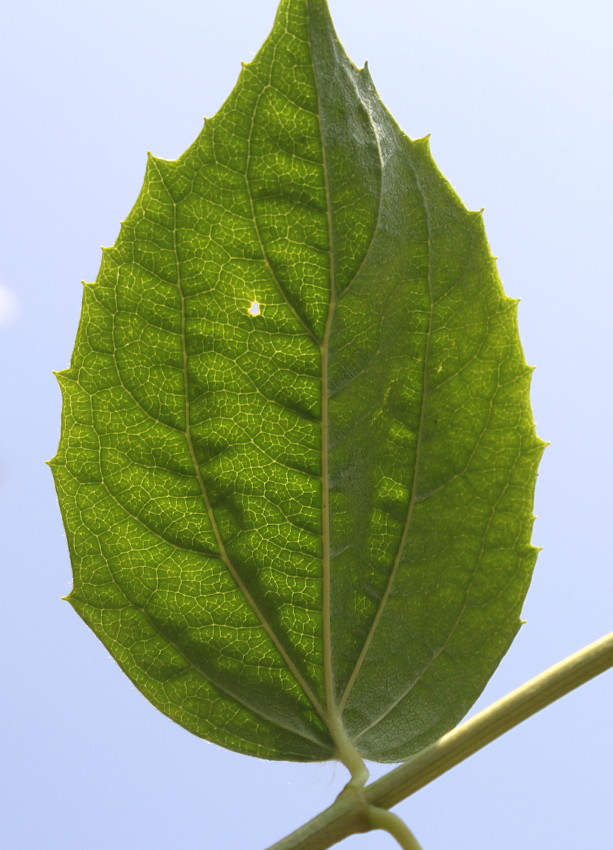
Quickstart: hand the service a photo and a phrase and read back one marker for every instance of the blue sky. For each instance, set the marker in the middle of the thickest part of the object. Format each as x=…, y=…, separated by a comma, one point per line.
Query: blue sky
x=517, y=96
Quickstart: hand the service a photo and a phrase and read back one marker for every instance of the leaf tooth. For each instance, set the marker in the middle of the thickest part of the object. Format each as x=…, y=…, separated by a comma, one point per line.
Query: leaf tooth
x=107, y=256
x=166, y=173
x=423, y=144
x=159, y=168
x=478, y=216
x=159, y=161
x=365, y=74
x=62, y=377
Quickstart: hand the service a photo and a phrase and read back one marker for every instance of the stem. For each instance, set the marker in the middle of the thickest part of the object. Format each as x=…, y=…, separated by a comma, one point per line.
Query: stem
x=347, y=816
x=493, y=722
x=382, y=819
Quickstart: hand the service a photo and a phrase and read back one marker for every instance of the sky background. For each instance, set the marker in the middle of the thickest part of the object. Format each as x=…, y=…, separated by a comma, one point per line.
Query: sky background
x=517, y=95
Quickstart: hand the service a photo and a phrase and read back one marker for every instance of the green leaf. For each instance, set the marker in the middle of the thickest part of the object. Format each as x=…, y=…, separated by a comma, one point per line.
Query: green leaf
x=297, y=458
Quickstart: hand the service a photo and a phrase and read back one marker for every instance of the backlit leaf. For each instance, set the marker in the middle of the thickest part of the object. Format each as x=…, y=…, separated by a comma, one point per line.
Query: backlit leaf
x=297, y=458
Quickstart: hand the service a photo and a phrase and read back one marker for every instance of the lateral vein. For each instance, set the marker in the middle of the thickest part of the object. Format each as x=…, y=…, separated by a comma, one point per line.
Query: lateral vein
x=207, y=502
x=413, y=496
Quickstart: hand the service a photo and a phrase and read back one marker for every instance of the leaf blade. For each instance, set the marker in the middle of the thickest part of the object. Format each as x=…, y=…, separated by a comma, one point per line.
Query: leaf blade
x=248, y=496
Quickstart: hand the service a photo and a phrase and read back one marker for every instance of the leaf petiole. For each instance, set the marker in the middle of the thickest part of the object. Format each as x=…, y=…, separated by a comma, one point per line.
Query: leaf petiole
x=348, y=755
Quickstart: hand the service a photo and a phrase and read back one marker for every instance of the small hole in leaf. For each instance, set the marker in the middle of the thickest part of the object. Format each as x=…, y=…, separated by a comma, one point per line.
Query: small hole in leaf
x=254, y=310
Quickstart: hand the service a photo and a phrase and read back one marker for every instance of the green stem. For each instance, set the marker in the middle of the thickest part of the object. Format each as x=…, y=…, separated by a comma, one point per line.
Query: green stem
x=382, y=819
x=347, y=815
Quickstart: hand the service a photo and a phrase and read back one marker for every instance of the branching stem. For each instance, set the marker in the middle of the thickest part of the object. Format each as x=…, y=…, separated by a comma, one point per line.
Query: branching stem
x=382, y=819
x=349, y=814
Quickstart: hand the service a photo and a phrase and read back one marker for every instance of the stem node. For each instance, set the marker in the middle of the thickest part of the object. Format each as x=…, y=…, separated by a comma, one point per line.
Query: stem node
x=359, y=808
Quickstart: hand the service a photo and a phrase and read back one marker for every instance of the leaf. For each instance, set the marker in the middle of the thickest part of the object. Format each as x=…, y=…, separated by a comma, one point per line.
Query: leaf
x=297, y=458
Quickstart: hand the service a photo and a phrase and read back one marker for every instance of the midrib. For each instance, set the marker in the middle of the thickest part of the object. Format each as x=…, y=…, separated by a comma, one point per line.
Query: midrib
x=345, y=749
x=333, y=714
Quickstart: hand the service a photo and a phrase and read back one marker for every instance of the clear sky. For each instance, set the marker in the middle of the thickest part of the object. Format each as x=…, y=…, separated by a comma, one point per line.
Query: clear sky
x=517, y=95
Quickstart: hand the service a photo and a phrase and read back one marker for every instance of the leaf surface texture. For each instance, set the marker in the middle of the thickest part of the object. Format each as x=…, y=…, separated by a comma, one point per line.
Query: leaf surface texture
x=297, y=458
